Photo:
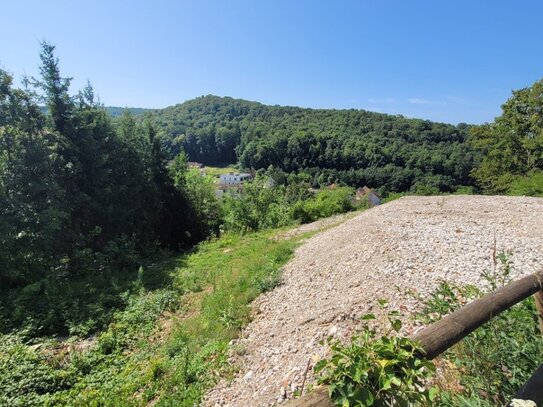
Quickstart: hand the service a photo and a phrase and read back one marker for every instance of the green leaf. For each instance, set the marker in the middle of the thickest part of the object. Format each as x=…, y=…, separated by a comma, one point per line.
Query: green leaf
x=320, y=365
x=432, y=393
x=382, y=302
x=396, y=324
x=366, y=397
x=383, y=363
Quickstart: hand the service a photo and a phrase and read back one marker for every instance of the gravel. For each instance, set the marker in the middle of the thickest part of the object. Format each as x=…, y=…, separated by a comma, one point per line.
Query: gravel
x=406, y=246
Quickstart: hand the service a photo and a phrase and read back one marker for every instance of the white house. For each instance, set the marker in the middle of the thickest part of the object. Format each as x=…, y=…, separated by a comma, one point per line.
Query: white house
x=232, y=182
x=234, y=178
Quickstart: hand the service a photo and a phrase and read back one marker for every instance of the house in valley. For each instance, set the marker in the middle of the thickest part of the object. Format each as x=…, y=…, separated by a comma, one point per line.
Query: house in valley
x=368, y=194
x=232, y=182
x=234, y=178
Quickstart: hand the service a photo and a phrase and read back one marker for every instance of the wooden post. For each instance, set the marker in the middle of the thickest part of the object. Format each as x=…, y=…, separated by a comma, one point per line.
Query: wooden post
x=317, y=398
x=440, y=336
x=538, y=298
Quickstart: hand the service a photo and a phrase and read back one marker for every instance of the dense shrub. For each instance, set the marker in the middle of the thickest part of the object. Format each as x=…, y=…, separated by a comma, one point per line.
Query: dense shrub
x=327, y=202
x=529, y=185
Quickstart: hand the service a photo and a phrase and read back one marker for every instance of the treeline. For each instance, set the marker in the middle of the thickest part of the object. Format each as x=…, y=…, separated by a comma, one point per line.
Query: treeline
x=512, y=146
x=353, y=147
x=80, y=199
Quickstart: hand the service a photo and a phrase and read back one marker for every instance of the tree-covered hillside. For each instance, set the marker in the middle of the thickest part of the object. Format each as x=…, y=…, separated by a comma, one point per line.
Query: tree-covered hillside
x=354, y=147
x=512, y=146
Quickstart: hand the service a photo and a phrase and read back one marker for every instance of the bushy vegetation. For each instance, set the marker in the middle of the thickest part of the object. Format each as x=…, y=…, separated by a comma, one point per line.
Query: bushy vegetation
x=325, y=203
x=353, y=147
x=258, y=206
x=262, y=205
x=491, y=364
x=377, y=371
x=529, y=185
x=146, y=354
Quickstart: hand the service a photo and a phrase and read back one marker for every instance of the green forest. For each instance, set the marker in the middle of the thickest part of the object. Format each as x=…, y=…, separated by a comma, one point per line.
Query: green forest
x=104, y=227
x=352, y=147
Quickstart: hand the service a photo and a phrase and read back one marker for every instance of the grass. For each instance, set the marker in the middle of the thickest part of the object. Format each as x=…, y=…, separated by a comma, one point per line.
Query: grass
x=167, y=347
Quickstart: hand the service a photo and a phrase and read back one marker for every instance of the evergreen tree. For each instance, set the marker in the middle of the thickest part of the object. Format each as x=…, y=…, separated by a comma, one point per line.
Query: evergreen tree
x=32, y=210
x=55, y=89
x=81, y=200
x=174, y=222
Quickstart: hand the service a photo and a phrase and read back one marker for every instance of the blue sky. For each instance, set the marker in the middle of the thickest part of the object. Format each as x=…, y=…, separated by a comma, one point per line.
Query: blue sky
x=452, y=61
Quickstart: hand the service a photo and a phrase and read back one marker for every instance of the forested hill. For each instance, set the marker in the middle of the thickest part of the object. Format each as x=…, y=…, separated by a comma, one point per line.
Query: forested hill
x=355, y=147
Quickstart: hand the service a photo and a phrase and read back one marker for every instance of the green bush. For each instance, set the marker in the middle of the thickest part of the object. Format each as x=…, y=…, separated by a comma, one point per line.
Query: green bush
x=377, y=371
x=464, y=190
x=261, y=206
x=424, y=189
x=530, y=185
x=325, y=203
x=258, y=206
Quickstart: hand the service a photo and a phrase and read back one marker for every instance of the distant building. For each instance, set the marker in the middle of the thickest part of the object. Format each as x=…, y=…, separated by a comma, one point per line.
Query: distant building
x=370, y=195
x=234, y=179
x=232, y=182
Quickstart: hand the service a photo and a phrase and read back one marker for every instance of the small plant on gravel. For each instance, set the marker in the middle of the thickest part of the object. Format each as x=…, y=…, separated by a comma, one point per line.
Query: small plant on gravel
x=377, y=371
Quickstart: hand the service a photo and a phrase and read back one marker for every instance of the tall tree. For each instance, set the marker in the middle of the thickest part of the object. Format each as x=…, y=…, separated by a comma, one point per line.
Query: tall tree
x=55, y=88
x=32, y=210
x=173, y=220
x=512, y=145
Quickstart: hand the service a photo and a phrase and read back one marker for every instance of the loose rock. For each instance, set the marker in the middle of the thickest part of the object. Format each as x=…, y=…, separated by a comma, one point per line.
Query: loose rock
x=393, y=251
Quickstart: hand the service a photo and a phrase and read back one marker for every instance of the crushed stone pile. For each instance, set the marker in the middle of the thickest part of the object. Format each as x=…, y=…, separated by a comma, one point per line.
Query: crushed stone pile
x=390, y=252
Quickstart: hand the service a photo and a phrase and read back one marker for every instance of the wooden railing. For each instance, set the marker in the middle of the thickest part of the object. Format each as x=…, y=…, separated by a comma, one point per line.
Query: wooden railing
x=441, y=335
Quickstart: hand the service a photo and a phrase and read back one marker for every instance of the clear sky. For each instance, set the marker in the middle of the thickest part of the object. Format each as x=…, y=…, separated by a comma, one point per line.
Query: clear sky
x=447, y=60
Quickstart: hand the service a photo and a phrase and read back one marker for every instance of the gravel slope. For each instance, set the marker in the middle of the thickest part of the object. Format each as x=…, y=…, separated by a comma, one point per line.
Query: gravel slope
x=339, y=274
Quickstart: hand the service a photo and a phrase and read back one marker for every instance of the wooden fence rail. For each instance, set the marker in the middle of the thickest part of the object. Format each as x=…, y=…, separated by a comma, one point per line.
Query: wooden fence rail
x=441, y=335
